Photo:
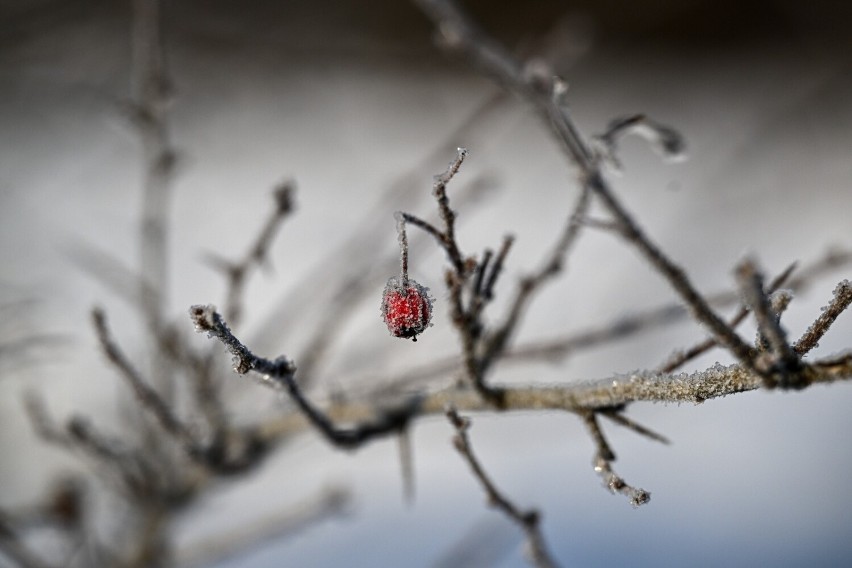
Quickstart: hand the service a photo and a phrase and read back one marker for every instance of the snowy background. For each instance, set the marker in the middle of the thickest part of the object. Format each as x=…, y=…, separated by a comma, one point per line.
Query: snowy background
x=346, y=98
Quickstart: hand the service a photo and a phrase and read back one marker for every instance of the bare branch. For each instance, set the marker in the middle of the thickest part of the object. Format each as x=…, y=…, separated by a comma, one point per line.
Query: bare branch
x=667, y=314
x=681, y=357
x=447, y=237
x=498, y=339
x=496, y=268
x=280, y=373
x=580, y=397
x=528, y=520
x=604, y=457
x=782, y=362
x=617, y=416
x=129, y=467
x=666, y=141
x=148, y=397
x=841, y=300
x=328, y=503
x=237, y=273
x=461, y=34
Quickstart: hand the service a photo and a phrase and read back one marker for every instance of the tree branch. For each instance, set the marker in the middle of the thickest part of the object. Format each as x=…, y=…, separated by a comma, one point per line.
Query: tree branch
x=528, y=520
x=580, y=397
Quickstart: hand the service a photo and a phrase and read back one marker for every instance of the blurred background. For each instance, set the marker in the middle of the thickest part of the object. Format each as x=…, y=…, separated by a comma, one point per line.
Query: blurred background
x=354, y=102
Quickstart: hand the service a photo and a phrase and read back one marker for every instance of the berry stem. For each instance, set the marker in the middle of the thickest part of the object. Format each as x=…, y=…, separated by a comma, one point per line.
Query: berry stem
x=403, y=246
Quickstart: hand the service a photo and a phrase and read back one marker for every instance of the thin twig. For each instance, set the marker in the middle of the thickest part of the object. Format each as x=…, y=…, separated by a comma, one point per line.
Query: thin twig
x=148, y=397
x=782, y=366
x=528, y=520
x=78, y=435
x=237, y=273
x=466, y=319
x=604, y=457
x=280, y=373
x=327, y=504
x=403, y=248
x=448, y=216
x=152, y=95
x=839, y=303
x=497, y=267
x=552, y=266
x=619, y=418
x=681, y=357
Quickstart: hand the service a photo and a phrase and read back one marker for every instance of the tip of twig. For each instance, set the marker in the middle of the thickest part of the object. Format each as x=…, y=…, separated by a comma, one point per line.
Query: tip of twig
x=283, y=195
x=204, y=317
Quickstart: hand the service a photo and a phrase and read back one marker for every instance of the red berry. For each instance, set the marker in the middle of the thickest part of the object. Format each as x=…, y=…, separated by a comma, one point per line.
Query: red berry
x=406, y=309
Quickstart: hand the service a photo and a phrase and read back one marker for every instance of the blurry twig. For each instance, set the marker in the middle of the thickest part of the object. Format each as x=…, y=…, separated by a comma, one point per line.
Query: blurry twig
x=152, y=95
x=256, y=256
x=327, y=504
x=14, y=549
x=528, y=520
x=148, y=397
x=130, y=468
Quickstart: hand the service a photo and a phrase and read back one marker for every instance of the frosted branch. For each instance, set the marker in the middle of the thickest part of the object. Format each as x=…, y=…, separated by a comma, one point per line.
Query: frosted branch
x=842, y=299
x=528, y=520
x=461, y=34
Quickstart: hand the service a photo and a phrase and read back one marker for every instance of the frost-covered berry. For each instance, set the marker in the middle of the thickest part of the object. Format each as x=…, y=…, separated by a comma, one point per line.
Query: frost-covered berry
x=406, y=308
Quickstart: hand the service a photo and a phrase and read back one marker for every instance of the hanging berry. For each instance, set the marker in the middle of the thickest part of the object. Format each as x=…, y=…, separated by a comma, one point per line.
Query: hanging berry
x=406, y=308
x=406, y=305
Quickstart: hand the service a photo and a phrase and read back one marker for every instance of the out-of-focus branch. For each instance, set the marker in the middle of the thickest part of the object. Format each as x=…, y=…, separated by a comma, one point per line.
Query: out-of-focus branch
x=238, y=272
x=528, y=520
x=148, y=397
x=329, y=503
x=152, y=94
x=13, y=549
x=131, y=469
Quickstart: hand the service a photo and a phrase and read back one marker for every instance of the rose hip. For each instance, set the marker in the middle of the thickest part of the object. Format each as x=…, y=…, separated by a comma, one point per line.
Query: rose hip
x=406, y=308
